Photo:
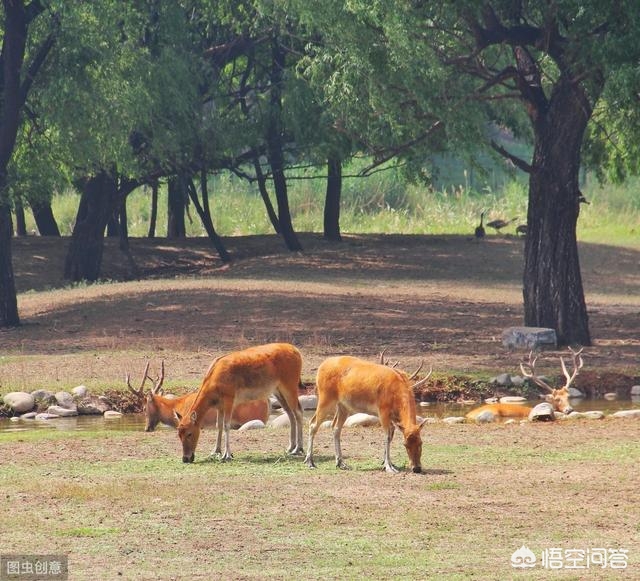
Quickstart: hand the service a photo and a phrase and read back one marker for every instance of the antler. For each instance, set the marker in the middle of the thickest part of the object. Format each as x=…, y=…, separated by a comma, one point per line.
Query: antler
x=386, y=362
x=577, y=366
x=420, y=383
x=157, y=384
x=530, y=365
x=415, y=373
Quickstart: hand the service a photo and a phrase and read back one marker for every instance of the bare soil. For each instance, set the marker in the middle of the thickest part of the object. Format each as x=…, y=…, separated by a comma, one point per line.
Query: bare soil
x=442, y=299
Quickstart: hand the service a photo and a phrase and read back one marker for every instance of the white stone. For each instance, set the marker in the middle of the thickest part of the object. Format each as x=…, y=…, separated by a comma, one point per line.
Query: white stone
x=65, y=400
x=251, y=425
x=19, y=401
x=454, y=420
x=424, y=404
x=362, y=420
x=626, y=414
x=111, y=415
x=326, y=424
x=274, y=403
x=574, y=416
x=485, y=417
x=513, y=399
x=594, y=415
x=46, y=416
x=281, y=421
x=308, y=402
x=28, y=416
x=610, y=396
x=543, y=412
x=635, y=390
x=58, y=410
x=80, y=391
x=528, y=337
x=573, y=392
x=43, y=394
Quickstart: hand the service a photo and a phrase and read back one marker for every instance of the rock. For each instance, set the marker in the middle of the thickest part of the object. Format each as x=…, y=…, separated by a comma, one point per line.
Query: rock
x=626, y=414
x=503, y=379
x=509, y=422
x=594, y=415
x=28, y=416
x=326, y=424
x=44, y=395
x=362, y=420
x=92, y=406
x=111, y=415
x=252, y=425
x=19, y=401
x=635, y=390
x=573, y=392
x=610, y=396
x=65, y=400
x=574, y=416
x=60, y=411
x=80, y=391
x=281, y=421
x=513, y=399
x=308, y=402
x=485, y=417
x=491, y=400
x=46, y=416
x=453, y=420
x=275, y=404
x=528, y=338
x=518, y=380
x=424, y=404
x=543, y=412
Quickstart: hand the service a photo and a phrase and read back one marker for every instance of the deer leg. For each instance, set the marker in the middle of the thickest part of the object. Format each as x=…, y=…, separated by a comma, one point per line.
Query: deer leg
x=226, y=418
x=292, y=408
x=338, y=422
x=388, y=466
x=219, y=424
x=317, y=419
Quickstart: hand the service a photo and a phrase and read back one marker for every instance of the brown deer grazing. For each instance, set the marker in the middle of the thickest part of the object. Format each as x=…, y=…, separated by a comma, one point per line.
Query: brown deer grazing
x=159, y=409
x=254, y=373
x=347, y=384
x=558, y=398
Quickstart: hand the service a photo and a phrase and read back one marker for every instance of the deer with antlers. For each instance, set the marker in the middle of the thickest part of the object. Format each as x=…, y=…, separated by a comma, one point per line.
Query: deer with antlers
x=346, y=385
x=160, y=409
x=557, y=397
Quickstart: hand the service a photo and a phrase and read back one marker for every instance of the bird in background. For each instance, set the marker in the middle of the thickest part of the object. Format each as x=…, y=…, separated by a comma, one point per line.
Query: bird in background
x=498, y=224
x=480, y=228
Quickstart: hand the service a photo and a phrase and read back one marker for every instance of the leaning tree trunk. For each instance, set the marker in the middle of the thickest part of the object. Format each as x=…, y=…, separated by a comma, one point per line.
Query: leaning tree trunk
x=332, y=200
x=8, y=300
x=44, y=218
x=553, y=292
x=84, y=256
x=21, y=223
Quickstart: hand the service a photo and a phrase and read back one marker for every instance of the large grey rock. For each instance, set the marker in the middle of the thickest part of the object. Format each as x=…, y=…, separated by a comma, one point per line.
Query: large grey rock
x=529, y=337
x=361, y=420
x=92, y=406
x=43, y=395
x=111, y=415
x=626, y=414
x=485, y=417
x=503, y=379
x=79, y=391
x=60, y=411
x=635, y=390
x=308, y=402
x=251, y=425
x=573, y=392
x=543, y=412
x=454, y=420
x=281, y=421
x=19, y=401
x=65, y=400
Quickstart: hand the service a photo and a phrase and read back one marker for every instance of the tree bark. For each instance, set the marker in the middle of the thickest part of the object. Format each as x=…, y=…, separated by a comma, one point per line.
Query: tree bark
x=154, y=209
x=21, y=224
x=8, y=299
x=332, y=200
x=553, y=291
x=97, y=203
x=44, y=218
x=264, y=194
x=177, y=197
x=274, y=148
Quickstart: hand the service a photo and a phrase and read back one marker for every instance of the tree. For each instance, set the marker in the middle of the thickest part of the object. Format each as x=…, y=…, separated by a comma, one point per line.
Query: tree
x=535, y=68
x=15, y=83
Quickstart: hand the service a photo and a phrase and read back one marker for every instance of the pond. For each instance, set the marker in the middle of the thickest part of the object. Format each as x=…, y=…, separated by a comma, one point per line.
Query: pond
x=135, y=422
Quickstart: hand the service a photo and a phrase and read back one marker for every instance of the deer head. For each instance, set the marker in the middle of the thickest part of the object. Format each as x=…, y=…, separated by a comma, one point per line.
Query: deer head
x=411, y=377
x=558, y=397
x=149, y=406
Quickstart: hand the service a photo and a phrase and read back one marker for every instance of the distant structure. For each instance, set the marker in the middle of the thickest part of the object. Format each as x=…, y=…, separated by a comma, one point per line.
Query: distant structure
x=480, y=229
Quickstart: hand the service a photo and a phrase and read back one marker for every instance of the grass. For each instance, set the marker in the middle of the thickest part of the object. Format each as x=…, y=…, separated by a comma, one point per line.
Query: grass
x=122, y=505
x=383, y=203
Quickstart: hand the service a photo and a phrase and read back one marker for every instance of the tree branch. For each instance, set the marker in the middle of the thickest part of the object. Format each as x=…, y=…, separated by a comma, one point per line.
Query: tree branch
x=519, y=163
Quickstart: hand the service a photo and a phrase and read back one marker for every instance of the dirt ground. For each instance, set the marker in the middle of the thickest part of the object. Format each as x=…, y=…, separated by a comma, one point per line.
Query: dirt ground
x=442, y=299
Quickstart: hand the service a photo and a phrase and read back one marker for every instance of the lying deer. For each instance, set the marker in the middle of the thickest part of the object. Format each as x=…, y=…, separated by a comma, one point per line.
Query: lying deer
x=346, y=385
x=254, y=373
x=160, y=409
x=558, y=398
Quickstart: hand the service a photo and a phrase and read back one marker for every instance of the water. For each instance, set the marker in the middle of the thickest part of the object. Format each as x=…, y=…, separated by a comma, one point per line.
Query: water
x=135, y=422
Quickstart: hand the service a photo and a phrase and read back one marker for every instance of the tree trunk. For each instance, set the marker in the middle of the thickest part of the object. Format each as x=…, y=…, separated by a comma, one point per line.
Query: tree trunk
x=177, y=197
x=553, y=292
x=154, y=210
x=205, y=215
x=97, y=202
x=8, y=300
x=332, y=200
x=21, y=224
x=264, y=194
x=44, y=218
x=274, y=148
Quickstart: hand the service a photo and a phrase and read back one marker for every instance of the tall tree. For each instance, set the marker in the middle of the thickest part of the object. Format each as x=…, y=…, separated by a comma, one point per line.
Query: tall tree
x=15, y=83
x=536, y=68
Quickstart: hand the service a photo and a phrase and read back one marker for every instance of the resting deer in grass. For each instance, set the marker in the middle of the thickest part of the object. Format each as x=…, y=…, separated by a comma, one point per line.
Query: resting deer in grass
x=558, y=398
x=347, y=384
x=254, y=373
x=159, y=409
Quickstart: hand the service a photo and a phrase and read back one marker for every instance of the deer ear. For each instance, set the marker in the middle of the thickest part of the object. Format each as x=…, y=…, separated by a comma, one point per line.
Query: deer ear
x=423, y=423
x=194, y=417
x=177, y=415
